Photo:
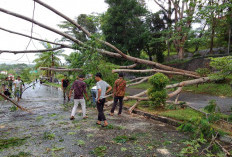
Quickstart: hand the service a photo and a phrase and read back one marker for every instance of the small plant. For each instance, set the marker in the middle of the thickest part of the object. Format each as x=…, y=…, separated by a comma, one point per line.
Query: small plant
x=81, y=143
x=71, y=133
x=13, y=108
x=124, y=139
x=203, y=71
x=211, y=107
x=39, y=118
x=48, y=135
x=57, y=148
x=192, y=146
x=123, y=149
x=21, y=154
x=52, y=115
x=90, y=135
x=13, y=141
x=99, y=151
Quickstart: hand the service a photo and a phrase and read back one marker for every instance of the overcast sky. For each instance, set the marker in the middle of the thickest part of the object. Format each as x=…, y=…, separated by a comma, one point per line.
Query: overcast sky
x=71, y=8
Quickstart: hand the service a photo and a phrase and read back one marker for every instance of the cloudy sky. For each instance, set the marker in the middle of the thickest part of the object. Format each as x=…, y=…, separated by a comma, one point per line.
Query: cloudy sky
x=71, y=8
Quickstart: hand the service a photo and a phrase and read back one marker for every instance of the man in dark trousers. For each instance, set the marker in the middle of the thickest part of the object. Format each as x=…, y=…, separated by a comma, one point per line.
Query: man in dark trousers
x=79, y=88
x=65, y=83
x=101, y=88
x=118, y=93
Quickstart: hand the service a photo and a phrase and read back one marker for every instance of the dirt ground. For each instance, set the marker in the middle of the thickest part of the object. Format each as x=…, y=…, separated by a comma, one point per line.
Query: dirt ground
x=49, y=132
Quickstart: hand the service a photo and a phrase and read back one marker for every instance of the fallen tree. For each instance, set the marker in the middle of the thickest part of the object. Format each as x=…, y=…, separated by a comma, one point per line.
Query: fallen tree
x=154, y=71
x=15, y=103
x=60, y=69
x=31, y=51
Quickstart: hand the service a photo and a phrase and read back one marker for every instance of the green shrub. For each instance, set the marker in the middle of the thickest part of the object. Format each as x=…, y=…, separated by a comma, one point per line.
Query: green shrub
x=211, y=107
x=159, y=81
x=157, y=92
x=203, y=71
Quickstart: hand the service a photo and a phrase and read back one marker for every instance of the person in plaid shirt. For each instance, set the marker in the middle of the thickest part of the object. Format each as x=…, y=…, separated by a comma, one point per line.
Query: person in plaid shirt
x=118, y=93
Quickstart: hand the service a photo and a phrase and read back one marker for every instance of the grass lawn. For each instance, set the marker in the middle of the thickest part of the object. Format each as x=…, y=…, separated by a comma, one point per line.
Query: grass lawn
x=179, y=114
x=53, y=84
x=144, y=85
x=186, y=114
x=211, y=89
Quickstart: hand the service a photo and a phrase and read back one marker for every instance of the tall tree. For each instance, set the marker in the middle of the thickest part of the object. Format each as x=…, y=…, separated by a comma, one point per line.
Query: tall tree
x=48, y=59
x=167, y=10
x=122, y=25
x=89, y=22
x=155, y=44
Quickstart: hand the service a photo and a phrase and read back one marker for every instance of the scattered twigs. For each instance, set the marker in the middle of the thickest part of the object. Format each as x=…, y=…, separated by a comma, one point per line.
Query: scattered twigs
x=13, y=102
x=210, y=144
x=60, y=69
x=133, y=107
x=223, y=149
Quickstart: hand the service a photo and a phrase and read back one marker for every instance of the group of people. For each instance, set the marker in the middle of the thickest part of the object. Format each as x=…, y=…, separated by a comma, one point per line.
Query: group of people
x=9, y=86
x=102, y=88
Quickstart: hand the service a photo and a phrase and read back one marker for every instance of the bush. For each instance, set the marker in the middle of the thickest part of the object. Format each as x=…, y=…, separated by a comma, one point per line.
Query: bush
x=203, y=71
x=159, y=81
x=157, y=93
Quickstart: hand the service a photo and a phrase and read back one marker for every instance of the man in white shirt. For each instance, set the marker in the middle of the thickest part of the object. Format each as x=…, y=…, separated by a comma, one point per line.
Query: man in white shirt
x=18, y=85
x=101, y=87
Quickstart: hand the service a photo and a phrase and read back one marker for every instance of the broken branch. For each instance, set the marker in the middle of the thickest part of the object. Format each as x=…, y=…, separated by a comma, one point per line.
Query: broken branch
x=31, y=51
x=13, y=102
x=60, y=69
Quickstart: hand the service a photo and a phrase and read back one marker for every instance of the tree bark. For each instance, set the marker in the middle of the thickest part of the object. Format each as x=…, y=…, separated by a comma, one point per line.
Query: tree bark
x=128, y=66
x=181, y=52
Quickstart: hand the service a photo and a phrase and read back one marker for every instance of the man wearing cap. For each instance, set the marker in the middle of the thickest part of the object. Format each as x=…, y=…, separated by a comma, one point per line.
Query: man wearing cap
x=79, y=88
x=101, y=88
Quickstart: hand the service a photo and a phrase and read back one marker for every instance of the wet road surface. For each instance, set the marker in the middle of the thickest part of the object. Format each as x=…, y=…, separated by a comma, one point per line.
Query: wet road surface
x=49, y=132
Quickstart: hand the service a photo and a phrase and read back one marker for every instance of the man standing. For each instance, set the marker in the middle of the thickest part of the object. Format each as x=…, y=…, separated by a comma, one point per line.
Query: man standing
x=10, y=81
x=101, y=87
x=18, y=85
x=118, y=93
x=65, y=83
x=79, y=88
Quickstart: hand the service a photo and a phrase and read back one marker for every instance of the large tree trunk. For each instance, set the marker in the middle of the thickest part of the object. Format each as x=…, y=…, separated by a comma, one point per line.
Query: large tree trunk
x=229, y=40
x=181, y=53
x=212, y=40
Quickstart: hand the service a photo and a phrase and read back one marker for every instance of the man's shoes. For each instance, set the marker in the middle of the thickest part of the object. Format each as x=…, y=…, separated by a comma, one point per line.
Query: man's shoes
x=111, y=114
x=98, y=123
x=72, y=118
x=85, y=117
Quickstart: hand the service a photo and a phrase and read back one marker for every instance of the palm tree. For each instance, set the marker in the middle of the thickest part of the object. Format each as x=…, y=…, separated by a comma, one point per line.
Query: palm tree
x=48, y=59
